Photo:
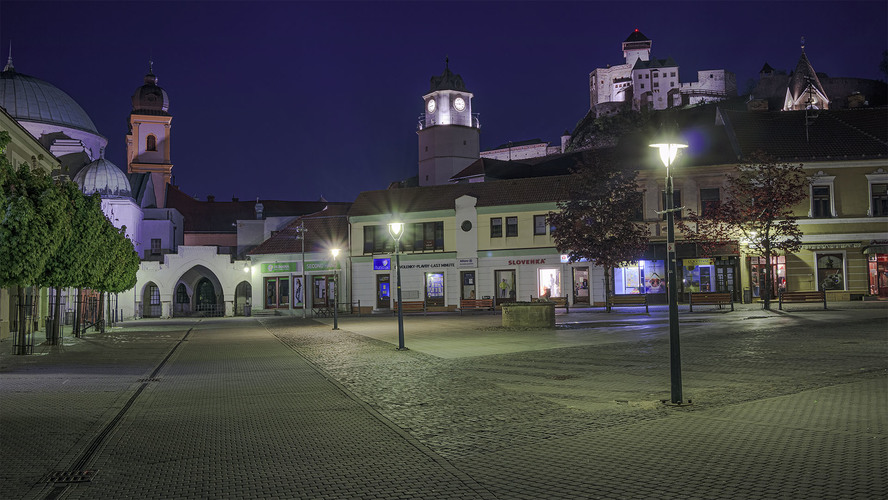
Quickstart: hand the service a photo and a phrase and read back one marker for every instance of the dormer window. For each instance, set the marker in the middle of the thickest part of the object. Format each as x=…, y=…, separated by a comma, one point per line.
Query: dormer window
x=151, y=143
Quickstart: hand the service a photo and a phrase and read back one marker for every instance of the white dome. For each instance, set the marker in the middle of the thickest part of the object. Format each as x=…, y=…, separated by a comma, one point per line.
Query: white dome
x=103, y=177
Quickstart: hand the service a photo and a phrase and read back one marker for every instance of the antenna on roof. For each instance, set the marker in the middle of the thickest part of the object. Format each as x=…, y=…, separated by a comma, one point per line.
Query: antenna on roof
x=803, y=44
x=446, y=62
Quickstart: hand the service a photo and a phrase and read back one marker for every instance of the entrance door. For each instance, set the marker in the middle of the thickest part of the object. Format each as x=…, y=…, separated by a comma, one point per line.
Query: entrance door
x=383, y=291
x=505, y=285
x=724, y=280
x=322, y=288
x=467, y=291
x=581, y=285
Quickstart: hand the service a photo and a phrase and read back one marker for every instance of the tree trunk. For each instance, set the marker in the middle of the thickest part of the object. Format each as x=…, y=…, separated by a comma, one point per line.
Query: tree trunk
x=56, y=313
x=607, y=274
x=101, y=312
x=766, y=289
x=22, y=322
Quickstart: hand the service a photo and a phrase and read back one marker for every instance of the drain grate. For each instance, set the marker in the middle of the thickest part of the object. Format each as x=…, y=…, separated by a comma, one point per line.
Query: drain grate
x=79, y=476
x=151, y=379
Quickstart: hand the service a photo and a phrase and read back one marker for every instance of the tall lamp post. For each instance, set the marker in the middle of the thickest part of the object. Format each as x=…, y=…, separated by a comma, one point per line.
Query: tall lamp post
x=669, y=143
x=335, y=253
x=396, y=229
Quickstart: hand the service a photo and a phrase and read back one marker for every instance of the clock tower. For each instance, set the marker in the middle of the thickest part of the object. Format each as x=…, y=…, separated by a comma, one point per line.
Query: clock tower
x=449, y=136
x=148, y=140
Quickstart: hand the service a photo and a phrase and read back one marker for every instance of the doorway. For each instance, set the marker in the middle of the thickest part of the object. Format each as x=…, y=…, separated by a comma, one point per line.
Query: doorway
x=581, y=285
x=505, y=285
x=383, y=291
x=467, y=290
x=277, y=293
x=434, y=290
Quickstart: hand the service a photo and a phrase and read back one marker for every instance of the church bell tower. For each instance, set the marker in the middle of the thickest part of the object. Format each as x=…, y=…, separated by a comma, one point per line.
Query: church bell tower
x=148, y=140
x=449, y=136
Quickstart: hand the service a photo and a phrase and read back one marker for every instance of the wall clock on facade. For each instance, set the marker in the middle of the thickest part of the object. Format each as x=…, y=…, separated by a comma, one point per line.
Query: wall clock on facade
x=466, y=226
x=431, y=106
x=459, y=103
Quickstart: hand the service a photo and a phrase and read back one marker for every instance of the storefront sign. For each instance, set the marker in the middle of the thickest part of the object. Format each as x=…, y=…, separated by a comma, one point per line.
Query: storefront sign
x=696, y=262
x=469, y=263
x=427, y=266
x=382, y=264
x=321, y=265
x=565, y=259
x=830, y=246
x=526, y=262
x=280, y=267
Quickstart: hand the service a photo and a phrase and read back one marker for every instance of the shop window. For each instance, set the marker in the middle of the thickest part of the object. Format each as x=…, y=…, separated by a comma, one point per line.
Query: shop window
x=830, y=272
x=758, y=278
x=539, y=225
x=709, y=200
x=676, y=202
x=879, y=200
x=820, y=201
x=181, y=294
x=434, y=292
x=496, y=227
x=511, y=226
x=550, y=283
x=505, y=285
x=647, y=276
x=151, y=143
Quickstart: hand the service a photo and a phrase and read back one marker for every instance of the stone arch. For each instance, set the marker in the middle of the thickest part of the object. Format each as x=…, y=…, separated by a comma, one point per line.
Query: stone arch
x=206, y=292
x=151, y=307
x=243, y=294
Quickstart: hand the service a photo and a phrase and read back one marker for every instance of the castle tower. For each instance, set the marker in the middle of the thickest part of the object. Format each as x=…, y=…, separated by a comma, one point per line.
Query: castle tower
x=635, y=47
x=148, y=140
x=449, y=136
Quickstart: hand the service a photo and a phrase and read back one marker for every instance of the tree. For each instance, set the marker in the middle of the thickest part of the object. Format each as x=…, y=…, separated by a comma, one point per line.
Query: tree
x=599, y=221
x=757, y=211
x=30, y=228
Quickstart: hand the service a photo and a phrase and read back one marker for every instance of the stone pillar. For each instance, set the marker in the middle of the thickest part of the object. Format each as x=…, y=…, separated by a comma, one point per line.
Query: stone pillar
x=166, y=309
x=229, y=308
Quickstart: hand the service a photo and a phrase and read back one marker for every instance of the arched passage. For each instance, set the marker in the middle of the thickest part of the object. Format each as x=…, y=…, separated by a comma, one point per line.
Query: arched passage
x=242, y=296
x=151, y=301
x=205, y=297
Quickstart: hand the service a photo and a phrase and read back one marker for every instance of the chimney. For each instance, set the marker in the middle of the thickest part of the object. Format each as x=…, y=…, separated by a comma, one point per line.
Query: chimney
x=260, y=209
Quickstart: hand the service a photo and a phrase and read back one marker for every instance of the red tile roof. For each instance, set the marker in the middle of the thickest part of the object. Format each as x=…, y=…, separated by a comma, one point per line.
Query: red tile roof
x=324, y=230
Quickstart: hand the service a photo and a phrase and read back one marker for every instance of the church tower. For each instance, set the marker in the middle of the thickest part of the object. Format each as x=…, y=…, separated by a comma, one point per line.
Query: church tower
x=148, y=140
x=805, y=90
x=449, y=136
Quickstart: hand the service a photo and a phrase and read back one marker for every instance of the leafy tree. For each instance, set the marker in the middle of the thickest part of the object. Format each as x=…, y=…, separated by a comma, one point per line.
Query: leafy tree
x=30, y=227
x=757, y=211
x=599, y=219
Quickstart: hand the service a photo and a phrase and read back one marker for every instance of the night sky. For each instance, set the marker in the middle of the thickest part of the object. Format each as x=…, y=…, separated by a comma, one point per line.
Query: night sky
x=298, y=100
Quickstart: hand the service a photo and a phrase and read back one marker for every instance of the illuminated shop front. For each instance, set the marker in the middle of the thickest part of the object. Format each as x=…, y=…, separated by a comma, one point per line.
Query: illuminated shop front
x=878, y=274
x=645, y=276
x=549, y=282
x=758, y=275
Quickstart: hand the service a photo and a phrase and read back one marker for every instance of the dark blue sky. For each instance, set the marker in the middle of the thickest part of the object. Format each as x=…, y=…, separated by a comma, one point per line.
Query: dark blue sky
x=295, y=100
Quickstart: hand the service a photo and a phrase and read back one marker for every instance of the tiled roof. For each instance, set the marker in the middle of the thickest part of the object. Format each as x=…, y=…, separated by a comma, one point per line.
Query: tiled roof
x=324, y=230
x=655, y=63
x=834, y=134
x=515, y=144
x=489, y=194
x=218, y=216
x=636, y=36
x=803, y=73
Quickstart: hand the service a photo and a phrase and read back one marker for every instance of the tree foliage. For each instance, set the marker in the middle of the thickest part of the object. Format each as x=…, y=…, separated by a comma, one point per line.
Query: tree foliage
x=599, y=220
x=756, y=211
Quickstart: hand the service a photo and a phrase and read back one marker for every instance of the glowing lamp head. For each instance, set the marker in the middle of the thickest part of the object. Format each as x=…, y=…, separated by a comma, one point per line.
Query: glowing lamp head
x=396, y=229
x=669, y=143
x=335, y=252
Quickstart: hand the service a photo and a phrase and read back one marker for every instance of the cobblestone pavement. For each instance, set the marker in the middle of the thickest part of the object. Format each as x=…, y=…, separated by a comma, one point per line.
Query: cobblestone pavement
x=785, y=405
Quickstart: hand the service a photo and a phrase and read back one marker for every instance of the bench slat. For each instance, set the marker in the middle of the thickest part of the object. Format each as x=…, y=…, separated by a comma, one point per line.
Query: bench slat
x=711, y=299
x=802, y=297
x=627, y=300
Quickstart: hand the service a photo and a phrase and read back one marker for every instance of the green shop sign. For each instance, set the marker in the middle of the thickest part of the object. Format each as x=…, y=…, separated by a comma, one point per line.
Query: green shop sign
x=294, y=267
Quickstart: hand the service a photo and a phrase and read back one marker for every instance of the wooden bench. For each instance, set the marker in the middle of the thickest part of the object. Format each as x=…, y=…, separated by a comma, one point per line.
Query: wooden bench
x=411, y=306
x=475, y=304
x=636, y=300
x=800, y=297
x=711, y=299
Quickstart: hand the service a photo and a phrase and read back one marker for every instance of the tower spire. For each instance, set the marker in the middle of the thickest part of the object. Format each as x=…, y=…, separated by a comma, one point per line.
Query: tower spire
x=803, y=44
x=9, y=66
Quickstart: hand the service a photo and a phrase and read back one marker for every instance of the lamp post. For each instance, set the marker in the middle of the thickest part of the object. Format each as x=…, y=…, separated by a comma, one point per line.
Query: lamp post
x=669, y=143
x=335, y=253
x=396, y=229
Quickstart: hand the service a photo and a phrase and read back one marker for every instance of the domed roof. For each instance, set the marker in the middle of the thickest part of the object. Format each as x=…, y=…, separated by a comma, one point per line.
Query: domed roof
x=150, y=99
x=31, y=99
x=103, y=177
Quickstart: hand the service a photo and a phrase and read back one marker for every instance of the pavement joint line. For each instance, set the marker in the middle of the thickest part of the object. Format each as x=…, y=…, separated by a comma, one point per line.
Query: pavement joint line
x=79, y=467
x=407, y=437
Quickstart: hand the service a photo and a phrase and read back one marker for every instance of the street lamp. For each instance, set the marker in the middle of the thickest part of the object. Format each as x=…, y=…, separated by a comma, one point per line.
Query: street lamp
x=335, y=253
x=669, y=143
x=396, y=229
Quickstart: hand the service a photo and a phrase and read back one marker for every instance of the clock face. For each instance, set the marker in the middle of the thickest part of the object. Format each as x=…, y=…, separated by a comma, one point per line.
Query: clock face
x=431, y=106
x=459, y=103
